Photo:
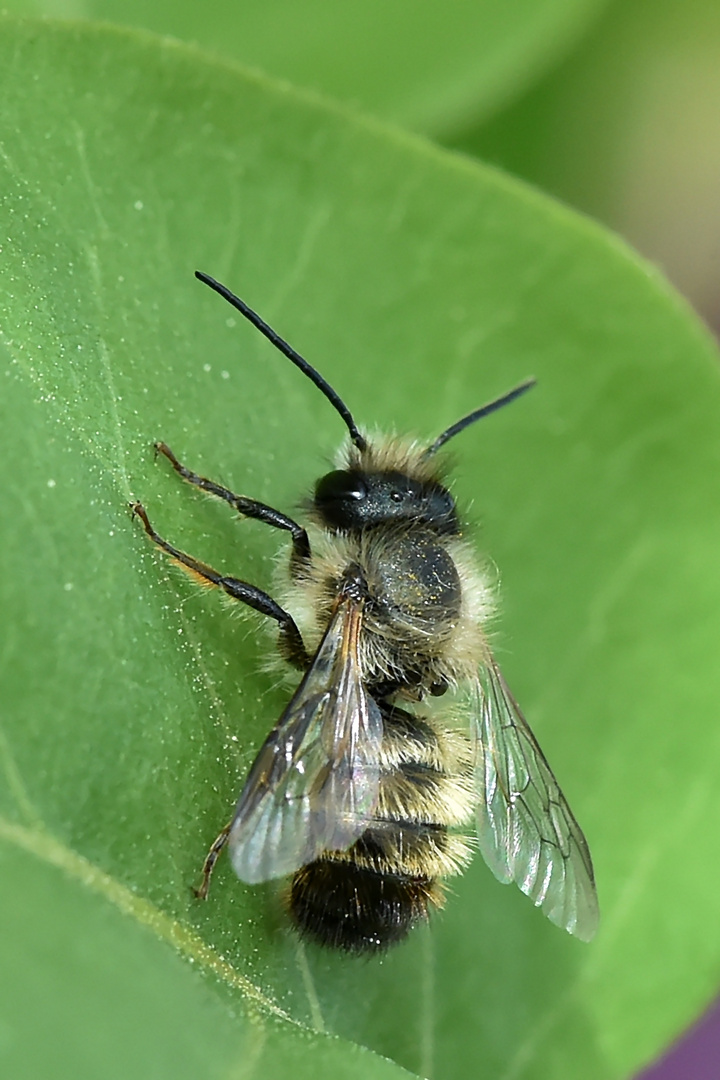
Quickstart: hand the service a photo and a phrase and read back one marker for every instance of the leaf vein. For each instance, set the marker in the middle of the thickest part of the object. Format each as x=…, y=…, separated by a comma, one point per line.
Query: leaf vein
x=43, y=845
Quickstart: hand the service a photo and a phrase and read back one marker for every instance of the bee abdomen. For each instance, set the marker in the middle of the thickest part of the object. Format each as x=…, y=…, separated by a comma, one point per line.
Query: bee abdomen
x=369, y=897
x=356, y=908
x=411, y=849
x=419, y=793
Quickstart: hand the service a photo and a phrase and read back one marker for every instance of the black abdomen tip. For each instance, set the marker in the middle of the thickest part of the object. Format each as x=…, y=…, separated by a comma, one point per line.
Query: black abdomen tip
x=355, y=909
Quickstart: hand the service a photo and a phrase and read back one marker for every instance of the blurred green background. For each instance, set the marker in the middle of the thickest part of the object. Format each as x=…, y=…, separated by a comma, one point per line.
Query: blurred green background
x=626, y=128
x=131, y=707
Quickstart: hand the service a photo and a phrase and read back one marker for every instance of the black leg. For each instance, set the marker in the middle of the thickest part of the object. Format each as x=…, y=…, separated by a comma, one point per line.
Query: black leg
x=210, y=859
x=247, y=507
x=291, y=642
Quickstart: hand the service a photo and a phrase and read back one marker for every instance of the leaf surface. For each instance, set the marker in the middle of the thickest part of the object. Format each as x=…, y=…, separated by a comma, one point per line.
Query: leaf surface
x=421, y=285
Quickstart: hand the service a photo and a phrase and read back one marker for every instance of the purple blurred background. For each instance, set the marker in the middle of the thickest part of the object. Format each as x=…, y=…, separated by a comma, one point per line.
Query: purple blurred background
x=696, y=1056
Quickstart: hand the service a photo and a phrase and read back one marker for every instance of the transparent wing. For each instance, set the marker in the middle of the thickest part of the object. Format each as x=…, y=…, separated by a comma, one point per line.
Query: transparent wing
x=314, y=784
x=526, y=829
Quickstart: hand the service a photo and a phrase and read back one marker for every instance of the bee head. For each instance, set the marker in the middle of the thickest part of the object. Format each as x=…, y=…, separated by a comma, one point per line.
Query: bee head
x=390, y=480
x=380, y=482
x=351, y=499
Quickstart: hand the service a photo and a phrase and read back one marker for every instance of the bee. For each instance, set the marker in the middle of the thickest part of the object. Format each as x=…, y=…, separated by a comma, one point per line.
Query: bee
x=364, y=791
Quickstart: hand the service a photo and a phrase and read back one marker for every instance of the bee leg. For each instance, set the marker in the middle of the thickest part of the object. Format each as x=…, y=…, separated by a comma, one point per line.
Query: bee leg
x=291, y=642
x=210, y=859
x=246, y=507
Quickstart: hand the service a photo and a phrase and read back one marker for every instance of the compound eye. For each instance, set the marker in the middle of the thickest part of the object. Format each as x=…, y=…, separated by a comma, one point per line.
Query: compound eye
x=340, y=486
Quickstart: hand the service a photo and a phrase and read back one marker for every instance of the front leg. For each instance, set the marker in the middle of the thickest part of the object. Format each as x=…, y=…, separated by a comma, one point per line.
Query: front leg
x=247, y=507
x=290, y=638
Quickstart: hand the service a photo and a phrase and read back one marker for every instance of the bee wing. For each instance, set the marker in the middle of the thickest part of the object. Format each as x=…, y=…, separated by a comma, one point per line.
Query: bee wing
x=526, y=829
x=314, y=784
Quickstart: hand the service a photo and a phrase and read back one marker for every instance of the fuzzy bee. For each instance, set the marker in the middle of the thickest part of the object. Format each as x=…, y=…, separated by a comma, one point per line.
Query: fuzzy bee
x=365, y=789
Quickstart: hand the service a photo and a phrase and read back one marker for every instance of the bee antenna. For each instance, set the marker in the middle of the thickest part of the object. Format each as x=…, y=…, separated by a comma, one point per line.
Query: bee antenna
x=288, y=351
x=484, y=410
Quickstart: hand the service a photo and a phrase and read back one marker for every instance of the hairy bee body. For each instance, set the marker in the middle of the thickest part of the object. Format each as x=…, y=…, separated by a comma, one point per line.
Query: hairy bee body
x=426, y=606
x=421, y=634
x=363, y=792
x=368, y=897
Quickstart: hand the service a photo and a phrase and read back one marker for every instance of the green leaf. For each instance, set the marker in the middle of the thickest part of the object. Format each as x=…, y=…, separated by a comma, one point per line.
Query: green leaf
x=423, y=63
x=88, y=992
x=421, y=285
